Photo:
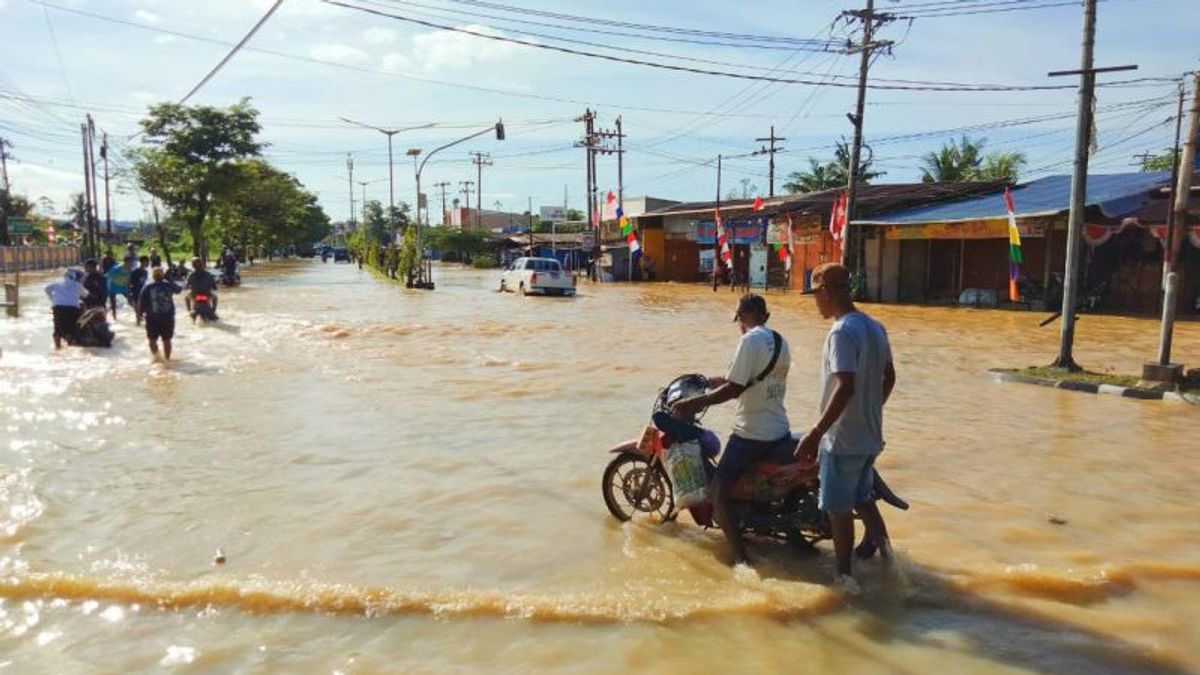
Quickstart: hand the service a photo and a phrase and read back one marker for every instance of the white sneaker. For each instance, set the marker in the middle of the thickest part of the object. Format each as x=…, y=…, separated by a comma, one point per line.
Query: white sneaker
x=847, y=583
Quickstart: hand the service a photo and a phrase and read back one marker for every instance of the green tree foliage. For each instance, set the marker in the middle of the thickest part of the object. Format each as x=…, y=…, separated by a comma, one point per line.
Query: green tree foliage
x=191, y=160
x=964, y=160
x=268, y=207
x=832, y=174
x=460, y=244
x=1163, y=162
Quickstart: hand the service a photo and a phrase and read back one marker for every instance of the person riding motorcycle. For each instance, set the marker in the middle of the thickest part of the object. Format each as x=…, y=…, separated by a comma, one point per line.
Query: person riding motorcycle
x=201, y=282
x=757, y=379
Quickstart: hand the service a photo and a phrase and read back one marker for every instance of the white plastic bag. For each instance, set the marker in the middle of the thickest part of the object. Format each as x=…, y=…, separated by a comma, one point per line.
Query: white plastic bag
x=685, y=466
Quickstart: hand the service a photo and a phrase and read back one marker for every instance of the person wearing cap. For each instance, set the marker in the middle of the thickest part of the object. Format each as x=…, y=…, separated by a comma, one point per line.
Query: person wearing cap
x=857, y=377
x=757, y=379
x=156, y=305
x=64, y=300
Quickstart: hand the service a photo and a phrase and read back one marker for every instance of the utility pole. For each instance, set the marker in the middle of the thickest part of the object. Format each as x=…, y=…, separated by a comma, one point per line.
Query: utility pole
x=350, y=171
x=363, y=184
x=443, y=185
x=465, y=188
x=4, y=194
x=601, y=146
x=480, y=160
x=1177, y=225
x=108, y=233
x=770, y=151
x=1083, y=136
x=852, y=239
x=589, y=144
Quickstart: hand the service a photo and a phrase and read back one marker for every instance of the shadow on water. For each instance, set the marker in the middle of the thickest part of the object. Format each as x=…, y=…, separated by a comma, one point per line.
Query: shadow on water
x=233, y=329
x=912, y=605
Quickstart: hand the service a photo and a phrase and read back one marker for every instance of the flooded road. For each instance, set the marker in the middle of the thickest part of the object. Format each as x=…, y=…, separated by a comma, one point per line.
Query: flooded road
x=409, y=482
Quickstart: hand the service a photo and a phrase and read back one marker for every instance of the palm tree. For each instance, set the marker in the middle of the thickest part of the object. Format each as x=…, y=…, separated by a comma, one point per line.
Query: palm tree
x=955, y=161
x=832, y=174
x=77, y=212
x=1004, y=166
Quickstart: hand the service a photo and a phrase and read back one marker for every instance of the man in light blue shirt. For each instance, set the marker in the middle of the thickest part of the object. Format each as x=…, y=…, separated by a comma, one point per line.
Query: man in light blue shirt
x=857, y=377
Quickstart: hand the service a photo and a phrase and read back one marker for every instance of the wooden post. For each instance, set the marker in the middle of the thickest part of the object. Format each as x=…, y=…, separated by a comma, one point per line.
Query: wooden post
x=962, y=267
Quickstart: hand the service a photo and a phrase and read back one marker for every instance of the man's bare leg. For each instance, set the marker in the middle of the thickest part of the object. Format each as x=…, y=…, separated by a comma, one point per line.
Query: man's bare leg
x=167, y=348
x=843, y=539
x=875, y=534
x=720, y=502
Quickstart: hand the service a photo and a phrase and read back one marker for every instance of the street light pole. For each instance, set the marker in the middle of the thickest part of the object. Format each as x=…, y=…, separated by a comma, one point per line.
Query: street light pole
x=391, y=179
x=499, y=129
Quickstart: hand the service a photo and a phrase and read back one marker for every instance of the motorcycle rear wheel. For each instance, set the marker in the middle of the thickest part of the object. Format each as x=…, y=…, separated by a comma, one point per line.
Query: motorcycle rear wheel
x=632, y=484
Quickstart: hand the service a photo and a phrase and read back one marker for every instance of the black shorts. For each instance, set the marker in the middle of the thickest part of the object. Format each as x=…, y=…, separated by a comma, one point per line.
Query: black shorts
x=65, y=321
x=160, y=326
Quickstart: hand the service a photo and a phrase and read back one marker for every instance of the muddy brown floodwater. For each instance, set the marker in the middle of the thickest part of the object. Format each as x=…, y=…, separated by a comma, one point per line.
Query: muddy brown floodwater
x=409, y=482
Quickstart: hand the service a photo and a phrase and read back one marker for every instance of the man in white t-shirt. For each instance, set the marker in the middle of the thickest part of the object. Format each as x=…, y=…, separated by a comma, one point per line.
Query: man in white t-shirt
x=857, y=377
x=757, y=379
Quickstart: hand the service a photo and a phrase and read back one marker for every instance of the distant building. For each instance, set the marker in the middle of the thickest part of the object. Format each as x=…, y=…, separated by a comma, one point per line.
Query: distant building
x=488, y=221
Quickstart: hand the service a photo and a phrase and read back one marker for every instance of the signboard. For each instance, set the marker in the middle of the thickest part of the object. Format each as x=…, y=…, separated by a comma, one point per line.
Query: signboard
x=553, y=214
x=742, y=231
x=19, y=226
x=422, y=201
x=777, y=231
x=996, y=228
x=587, y=240
x=706, y=261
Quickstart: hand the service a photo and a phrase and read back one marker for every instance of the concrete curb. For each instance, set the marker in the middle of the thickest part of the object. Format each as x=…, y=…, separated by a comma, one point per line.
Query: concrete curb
x=1091, y=388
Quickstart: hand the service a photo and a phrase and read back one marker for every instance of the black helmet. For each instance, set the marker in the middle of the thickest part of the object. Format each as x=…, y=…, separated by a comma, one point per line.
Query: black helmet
x=684, y=386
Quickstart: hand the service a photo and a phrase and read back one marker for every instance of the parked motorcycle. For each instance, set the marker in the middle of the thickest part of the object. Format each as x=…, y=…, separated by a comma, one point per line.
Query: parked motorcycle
x=776, y=499
x=202, y=308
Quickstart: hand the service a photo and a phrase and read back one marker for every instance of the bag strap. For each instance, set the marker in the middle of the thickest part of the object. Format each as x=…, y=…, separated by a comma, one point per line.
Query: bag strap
x=771, y=364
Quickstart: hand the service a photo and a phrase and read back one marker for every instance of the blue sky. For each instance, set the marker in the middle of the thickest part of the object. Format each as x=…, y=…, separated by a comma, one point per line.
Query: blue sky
x=313, y=63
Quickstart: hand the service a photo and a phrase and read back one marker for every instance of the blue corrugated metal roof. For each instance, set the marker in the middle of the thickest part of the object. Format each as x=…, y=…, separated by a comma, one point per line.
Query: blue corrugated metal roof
x=1115, y=194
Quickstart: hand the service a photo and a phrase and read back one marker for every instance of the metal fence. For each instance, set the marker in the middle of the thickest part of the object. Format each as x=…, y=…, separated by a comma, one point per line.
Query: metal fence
x=27, y=258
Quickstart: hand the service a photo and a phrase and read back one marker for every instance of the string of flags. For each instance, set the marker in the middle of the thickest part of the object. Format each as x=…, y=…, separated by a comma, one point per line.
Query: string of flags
x=626, y=226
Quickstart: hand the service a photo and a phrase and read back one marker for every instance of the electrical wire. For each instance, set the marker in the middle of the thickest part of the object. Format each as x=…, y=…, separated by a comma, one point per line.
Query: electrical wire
x=236, y=48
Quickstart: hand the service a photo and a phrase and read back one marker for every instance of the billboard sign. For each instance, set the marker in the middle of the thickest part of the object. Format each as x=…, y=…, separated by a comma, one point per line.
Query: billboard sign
x=553, y=214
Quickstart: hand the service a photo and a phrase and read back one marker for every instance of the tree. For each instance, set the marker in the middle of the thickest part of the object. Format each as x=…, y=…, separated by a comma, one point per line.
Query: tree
x=192, y=158
x=963, y=160
x=574, y=214
x=832, y=174
x=1163, y=162
x=375, y=225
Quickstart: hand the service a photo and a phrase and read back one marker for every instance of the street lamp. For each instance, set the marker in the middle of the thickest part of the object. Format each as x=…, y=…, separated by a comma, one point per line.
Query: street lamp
x=414, y=153
x=422, y=282
x=391, y=183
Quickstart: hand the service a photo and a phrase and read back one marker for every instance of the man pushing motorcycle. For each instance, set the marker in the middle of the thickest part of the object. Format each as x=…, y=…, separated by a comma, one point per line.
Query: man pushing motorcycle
x=857, y=377
x=757, y=379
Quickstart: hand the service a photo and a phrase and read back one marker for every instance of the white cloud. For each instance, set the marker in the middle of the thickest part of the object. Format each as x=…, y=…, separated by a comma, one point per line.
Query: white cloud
x=444, y=50
x=165, y=39
x=338, y=53
x=375, y=36
x=149, y=18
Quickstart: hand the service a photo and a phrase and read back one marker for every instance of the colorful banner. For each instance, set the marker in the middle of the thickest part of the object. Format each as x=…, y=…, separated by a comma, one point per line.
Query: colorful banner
x=741, y=231
x=996, y=228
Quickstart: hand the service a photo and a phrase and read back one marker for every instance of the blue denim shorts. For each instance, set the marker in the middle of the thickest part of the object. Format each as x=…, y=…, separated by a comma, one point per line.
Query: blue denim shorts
x=742, y=453
x=846, y=480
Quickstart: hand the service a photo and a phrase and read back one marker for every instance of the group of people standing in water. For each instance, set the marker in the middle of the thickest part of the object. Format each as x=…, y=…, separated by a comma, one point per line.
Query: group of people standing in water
x=81, y=299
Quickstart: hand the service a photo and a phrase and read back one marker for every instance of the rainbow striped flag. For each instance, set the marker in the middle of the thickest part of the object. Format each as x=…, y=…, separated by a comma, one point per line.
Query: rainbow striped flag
x=1014, y=249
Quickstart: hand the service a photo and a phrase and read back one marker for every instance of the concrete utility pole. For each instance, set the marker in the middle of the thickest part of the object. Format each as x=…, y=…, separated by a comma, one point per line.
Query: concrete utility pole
x=599, y=147
x=770, y=151
x=443, y=185
x=464, y=186
x=1083, y=136
x=363, y=185
x=589, y=144
x=1185, y=166
x=350, y=171
x=852, y=247
x=4, y=192
x=480, y=160
x=108, y=233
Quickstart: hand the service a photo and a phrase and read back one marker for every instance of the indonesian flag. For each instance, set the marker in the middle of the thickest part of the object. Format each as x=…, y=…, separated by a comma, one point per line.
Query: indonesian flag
x=1014, y=249
x=611, y=197
x=837, y=217
x=758, y=203
x=785, y=251
x=51, y=235
x=723, y=242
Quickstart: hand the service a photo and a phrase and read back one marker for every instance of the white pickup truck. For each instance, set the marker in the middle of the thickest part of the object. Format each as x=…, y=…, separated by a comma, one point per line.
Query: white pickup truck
x=537, y=275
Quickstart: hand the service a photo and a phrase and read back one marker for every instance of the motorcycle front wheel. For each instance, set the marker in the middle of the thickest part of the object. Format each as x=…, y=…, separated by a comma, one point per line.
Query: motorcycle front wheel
x=632, y=484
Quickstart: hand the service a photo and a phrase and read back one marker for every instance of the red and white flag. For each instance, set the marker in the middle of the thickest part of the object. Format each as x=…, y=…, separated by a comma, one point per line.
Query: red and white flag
x=837, y=217
x=723, y=242
x=758, y=203
x=51, y=235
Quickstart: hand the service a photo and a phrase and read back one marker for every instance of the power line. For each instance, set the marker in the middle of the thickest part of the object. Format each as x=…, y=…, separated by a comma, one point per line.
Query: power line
x=702, y=71
x=236, y=48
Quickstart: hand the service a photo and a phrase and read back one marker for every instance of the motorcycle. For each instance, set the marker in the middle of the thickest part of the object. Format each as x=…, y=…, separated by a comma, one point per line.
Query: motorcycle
x=775, y=499
x=92, y=329
x=229, y=279
x=202, y=307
